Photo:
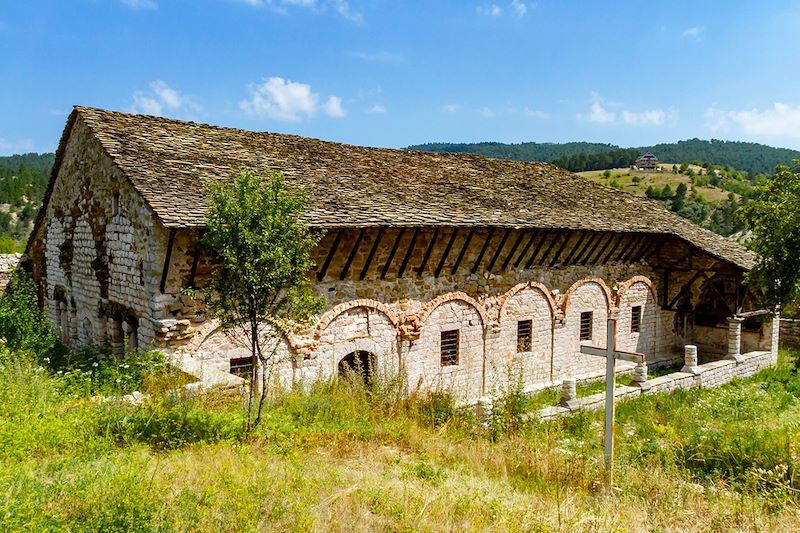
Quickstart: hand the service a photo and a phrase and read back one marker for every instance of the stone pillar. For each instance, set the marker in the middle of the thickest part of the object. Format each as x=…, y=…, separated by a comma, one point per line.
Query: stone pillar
x=640, y=376
x=483, y=411
x=569, y=393
x=776, y=331
x=690, y=359
x=734, y=338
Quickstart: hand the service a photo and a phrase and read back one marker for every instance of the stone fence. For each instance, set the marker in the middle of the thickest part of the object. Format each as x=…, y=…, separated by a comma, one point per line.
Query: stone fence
x=691, y=375
x=790, y=333
x=8, y=262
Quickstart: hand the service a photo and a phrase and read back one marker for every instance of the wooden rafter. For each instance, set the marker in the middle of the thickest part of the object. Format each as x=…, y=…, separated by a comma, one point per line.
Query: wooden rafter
x=463, y=251
x=556, y=237
x=633, y=247
x=371, y=255
x=585, y=259
x=575, y=248
x=527, y=247
x=589, y=242
x=539, y=245
x=687, y=286
x=421, y=268
x=499, y=249
x=513, y=251
x=446, y=252
x=614, y=248
x=485, y=247
x=610, y=237
x=167, y=260
x=352, y=255
x=567, y=238
x=649, y=244
x=392, y=252
x=329, y=257
x=408, y=253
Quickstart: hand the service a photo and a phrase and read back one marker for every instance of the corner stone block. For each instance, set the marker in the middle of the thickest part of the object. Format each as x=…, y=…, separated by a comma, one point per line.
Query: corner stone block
x=690, y=360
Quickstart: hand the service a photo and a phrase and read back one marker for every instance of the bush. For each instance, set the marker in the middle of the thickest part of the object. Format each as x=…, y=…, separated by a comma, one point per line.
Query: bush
x=22, y=324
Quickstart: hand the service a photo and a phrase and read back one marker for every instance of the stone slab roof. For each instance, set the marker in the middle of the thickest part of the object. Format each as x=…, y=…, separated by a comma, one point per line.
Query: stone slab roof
x=168, y=160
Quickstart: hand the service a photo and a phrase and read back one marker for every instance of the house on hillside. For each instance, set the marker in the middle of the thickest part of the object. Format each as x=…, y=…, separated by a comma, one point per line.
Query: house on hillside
x=646, y=162
x=454, y=268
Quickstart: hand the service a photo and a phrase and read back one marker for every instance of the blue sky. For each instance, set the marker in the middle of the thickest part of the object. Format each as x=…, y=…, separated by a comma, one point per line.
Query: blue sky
x=383, y=73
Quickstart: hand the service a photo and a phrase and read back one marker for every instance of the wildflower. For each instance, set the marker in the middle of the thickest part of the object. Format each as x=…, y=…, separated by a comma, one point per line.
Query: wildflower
x=95, y=364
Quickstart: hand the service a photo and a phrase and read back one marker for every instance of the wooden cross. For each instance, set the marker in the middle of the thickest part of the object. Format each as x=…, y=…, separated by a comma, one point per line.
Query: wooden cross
x=611, y=354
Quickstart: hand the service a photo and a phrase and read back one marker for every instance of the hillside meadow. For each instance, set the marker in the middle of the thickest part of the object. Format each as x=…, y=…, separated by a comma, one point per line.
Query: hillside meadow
x=342, y=457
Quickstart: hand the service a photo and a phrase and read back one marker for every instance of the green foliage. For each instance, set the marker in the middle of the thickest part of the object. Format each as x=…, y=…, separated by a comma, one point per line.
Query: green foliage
x=773, y=214
x=23, y=182
x=22, y=324
x=261, y=244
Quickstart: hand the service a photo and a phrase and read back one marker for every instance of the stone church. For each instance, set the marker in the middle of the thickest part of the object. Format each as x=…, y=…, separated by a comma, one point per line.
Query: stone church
x=459, y=270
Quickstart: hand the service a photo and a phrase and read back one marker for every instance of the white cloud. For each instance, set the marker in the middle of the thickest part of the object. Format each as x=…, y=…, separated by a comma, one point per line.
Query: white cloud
x=780, y=120
x=451, y=108
x=652, y=117
x=533, y=113
x=519, y=8
x=378, y=57
x=341, y=7
x=492, y=10
x=598, y=113
x=333, y=107
x=161, y=98
x=288, y=100
x=694, y=32
x=377, y=108
x=140, y=4
x=15, y=147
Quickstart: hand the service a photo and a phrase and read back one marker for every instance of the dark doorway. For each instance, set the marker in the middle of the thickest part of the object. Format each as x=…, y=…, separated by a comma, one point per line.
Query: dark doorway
x=358, y=365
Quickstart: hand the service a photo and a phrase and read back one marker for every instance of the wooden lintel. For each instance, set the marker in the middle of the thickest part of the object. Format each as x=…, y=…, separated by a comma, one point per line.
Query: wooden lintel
x=567, y=237
x=485, y=247
x=532, y=258
x=409, y=251
x=620, y=238
x=392, y=252
x=610, y=237
x=499, y=249
x=589, y=242
x=463, y=251
x=750, y=314
x=575, y=248
x=421, y=268
x=527, y=247
x=371, y=254
x=329, y=257
x=687, y=286
x=513, y=251
x=167, y=260
x=446, y=252
x=352, y=255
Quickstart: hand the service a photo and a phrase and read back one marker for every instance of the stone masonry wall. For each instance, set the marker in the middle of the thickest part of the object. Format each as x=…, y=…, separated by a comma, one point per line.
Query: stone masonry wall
x=790, y=333
x=8, y=262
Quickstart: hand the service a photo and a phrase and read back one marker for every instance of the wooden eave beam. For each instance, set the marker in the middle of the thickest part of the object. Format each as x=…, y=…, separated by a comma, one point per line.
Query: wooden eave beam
x=409, y=251
x=634, y=247
x=392, y=252
x=446, y=252
x=513, y=251
x=485, y=247
x=582, y=254
x=352, y=255
x=575, y=248
x=527, y=247
x=610, y=236
x=463, y=251
x=167, y=259
x=371, y=255
x=556, y=237
x=329, y=257
x=499, y=249
x=567, y=237
x=620, y=238
x=428, y=252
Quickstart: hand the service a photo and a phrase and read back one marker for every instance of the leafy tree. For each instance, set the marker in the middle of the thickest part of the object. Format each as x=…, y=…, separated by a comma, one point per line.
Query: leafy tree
x=257, y=236
x=773, y=214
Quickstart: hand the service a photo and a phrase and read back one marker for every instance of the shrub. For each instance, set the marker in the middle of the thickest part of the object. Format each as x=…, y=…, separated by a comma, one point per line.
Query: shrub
x=22, y=324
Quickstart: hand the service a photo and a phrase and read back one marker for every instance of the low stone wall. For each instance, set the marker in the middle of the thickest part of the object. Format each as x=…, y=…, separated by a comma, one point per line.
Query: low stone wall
x=790, y=333
x=8, y=262
x=708, y=375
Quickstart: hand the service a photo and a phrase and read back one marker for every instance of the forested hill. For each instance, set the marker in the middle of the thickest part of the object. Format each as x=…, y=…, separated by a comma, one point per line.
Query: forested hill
x=579, y=156
x=23, y=182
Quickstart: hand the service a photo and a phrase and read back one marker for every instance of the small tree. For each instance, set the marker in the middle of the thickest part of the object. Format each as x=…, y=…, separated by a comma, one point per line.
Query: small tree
x=256, y=235
x=773, y=214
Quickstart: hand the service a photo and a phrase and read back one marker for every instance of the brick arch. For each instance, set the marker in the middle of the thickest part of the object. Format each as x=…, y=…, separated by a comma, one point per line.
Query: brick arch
x=431, y=306
x=331, y=314
x=578, y=284
x=630, y=283
x=505, y=297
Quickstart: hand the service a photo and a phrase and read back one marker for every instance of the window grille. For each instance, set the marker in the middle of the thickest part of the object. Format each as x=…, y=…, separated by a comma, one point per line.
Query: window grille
x=586, y=325
x=636, y=318
x=242, y=367
x=524, y=335
x=450, y=347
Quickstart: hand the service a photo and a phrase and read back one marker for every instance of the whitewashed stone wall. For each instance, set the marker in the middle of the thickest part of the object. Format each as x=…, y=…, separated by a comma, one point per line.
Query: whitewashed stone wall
x=8, y=262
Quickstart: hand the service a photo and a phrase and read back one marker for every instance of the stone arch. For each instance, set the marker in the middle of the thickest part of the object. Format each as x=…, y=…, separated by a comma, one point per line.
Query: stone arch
x=423, y=314
x=331, y=314
x=578, y=284
x=630, y=283
x=535, y=285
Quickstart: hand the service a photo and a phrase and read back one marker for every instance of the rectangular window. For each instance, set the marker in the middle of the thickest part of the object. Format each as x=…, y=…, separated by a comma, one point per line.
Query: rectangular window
x=524, y=335
x=242, y=367
x=450, y=347
x=586, y=325
x=636, y=318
